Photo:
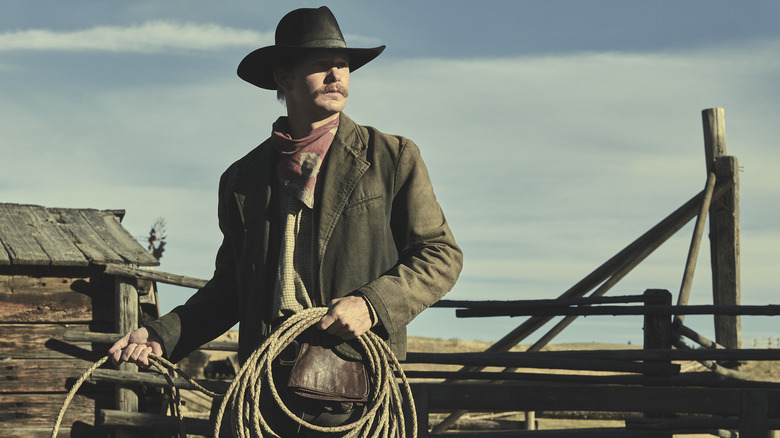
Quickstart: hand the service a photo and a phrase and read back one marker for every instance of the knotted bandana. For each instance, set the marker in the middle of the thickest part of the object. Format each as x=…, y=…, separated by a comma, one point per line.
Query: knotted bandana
x=302, y=158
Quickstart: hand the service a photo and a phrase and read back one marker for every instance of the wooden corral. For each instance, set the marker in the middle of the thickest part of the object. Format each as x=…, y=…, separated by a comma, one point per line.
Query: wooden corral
x=646, y=388
x=52, y=279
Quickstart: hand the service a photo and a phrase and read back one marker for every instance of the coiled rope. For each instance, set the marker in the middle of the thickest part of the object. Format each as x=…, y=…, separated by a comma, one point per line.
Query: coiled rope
x=384, y=416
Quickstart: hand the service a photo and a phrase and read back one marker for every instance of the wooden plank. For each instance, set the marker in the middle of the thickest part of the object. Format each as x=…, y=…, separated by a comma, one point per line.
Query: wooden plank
x=110, y=338
x=724, y=227
x=151, y=422
x=71, y=307
x=16, y=233
x=658, y=334
x=40, y=375
x=45, y=341
x=77, y=430
x=5, y=258
x=601, y=432
x=725, y=251
x=155, y=379
x=34, y=284
x=126, y=320
x=118, y=238
x=609, y=398
x=86, y=239
x=147, y=274
x=24, y=410
x=753, y=420
x=34, y=235
x=59, y=246
x=693, y=248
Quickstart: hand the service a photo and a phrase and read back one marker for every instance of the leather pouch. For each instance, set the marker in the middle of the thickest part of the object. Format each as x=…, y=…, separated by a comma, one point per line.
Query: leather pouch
x=323, y=378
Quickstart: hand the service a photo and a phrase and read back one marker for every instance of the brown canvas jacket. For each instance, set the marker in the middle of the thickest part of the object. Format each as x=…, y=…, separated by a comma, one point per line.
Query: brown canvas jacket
x=381, y=233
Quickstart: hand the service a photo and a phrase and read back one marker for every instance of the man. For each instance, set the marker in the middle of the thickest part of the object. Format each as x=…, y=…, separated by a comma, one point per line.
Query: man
x=324, y=213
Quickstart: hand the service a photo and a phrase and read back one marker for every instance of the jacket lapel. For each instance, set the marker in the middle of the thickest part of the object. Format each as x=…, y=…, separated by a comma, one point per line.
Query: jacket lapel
x=344, y=166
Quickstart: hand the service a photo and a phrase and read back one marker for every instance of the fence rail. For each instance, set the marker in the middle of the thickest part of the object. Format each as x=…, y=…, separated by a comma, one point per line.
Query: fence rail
x=768, y=342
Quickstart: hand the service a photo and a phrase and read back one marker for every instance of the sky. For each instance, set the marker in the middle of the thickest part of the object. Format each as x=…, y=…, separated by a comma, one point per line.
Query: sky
x=555, y=132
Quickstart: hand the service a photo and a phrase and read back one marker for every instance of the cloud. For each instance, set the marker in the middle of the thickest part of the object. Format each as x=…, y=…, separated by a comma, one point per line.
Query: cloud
x=149, y=37
x=546, y=166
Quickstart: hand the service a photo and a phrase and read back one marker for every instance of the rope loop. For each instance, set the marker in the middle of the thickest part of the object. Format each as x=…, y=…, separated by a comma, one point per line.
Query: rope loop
x=384, y=417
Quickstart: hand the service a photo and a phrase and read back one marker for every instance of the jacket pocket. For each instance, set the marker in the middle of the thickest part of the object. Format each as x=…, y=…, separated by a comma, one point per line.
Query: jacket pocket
x=363, y=203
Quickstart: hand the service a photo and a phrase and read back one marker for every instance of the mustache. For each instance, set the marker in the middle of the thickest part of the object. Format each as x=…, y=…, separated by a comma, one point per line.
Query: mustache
x=344, y=91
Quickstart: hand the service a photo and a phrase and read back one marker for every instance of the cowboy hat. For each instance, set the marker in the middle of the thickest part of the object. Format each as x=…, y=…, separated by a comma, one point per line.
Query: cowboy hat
x=298, y=32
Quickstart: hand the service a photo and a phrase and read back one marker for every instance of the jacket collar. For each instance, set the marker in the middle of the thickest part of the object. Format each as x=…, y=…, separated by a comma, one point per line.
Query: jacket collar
x=256, y=178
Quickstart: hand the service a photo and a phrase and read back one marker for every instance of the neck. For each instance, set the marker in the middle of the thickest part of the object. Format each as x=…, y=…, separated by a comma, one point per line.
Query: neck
x=300, y=127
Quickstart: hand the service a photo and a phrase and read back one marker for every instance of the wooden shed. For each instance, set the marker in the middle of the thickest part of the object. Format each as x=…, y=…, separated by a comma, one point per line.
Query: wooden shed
x=53, y=279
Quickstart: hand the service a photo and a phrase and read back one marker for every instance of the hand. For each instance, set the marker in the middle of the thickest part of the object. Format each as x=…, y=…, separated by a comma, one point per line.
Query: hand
x=347, y=318
x=135, y=347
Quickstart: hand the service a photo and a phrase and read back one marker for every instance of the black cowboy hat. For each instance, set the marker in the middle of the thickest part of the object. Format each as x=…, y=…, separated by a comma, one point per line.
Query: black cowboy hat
x=298, y=32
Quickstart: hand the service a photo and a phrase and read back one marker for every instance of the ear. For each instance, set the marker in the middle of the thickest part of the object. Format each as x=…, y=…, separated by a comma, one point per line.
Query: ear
x=282, y=78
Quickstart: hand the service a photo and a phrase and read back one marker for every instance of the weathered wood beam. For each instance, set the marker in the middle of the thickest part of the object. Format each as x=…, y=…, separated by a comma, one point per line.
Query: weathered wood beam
x=511, y=310
x=110, y=338
x=154, y=379
x=34, y=375
x=601, y=432
x=693, y=250
x=490, y=304
x=33, y=409
x=43, y=341
x=683, y=379
x=539, y=360
x=147, y=274
x=724, y=228
x=127, y=314
x=64, y=308
x=712, y=365
x=152, y=422
x=491, y=358
x=700, y=424
x=602, y=398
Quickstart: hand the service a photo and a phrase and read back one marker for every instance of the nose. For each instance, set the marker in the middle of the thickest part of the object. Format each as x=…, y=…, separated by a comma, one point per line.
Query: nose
x=334, y=75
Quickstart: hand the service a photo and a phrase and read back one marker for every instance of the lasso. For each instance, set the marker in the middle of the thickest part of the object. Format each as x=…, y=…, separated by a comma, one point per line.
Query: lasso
x=383, y=418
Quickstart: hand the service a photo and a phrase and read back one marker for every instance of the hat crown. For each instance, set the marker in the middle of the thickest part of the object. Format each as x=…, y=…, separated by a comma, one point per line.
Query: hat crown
x=312, y=28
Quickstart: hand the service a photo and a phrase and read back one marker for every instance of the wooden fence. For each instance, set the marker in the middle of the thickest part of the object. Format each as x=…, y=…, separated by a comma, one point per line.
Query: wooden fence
x=647, y=382
x=764, y=342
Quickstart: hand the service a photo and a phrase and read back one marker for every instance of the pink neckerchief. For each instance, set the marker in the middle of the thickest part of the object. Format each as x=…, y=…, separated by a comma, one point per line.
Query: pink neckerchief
x=302, y=158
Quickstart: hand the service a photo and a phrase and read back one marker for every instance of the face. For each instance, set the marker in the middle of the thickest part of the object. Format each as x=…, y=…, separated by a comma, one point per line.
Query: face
x=317, y=87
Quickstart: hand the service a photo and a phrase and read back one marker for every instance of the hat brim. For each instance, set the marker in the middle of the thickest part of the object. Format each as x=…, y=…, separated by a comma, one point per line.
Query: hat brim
x=257, y=68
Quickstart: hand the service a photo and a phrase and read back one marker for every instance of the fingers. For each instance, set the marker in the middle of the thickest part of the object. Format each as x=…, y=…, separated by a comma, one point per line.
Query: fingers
x=116, y=350
x=135, y=347
x=347, y=318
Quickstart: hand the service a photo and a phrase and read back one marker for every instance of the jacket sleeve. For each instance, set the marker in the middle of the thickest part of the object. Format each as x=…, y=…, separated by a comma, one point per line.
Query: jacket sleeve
x=213, y=309
x=429, y=260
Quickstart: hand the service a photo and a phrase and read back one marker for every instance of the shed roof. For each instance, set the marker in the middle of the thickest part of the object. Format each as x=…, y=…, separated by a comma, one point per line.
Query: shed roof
x=35, y=235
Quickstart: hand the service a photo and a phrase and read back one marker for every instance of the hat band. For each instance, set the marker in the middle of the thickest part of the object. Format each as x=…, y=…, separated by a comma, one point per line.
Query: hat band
x=318, y=44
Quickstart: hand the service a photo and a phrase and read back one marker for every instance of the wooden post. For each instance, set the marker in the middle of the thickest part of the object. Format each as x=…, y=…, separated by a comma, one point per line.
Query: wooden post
x=126, y=316
x=530, y=420
x=658, y=333
x=753, y=421
x=724, y=228
x=420, y=394
x=658, y=326
x=693, y=251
